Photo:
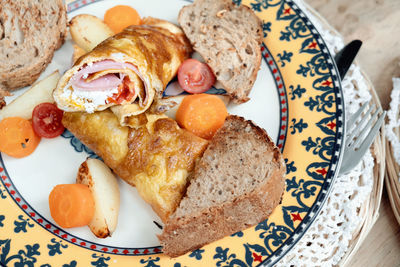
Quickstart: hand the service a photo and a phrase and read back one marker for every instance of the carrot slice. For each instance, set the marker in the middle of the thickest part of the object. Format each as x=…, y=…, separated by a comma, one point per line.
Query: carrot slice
x=17, y=138
x=71, y=205
x=201, y=114
x=120, y=17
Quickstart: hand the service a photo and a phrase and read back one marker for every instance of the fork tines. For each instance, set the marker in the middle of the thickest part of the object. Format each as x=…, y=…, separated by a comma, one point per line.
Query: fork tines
x=362, y=127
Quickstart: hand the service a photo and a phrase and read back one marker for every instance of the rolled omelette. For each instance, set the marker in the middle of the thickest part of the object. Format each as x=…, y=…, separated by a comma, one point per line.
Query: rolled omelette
x=155, y=155
x=127, y=71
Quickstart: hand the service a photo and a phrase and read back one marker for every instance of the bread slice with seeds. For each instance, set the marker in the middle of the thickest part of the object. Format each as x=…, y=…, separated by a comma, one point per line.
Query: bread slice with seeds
x=236, y=184
x=30, y=32
x=228, y=37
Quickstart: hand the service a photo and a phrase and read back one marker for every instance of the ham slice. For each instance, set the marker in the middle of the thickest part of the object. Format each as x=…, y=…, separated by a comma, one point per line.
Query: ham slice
x=104, y=83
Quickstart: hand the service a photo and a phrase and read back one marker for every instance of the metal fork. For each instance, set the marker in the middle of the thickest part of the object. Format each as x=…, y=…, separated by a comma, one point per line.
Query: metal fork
x=362, y=127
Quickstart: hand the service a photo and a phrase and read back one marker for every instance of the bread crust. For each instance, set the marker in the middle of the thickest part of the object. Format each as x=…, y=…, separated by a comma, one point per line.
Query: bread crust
x=182, y=235
x=22, y=76
x=186, y=233
x=261, y=133
x=240, y=97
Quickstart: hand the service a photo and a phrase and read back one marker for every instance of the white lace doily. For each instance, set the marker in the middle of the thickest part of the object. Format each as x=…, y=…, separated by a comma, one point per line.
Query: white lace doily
x=329, y=236
x=394, y=120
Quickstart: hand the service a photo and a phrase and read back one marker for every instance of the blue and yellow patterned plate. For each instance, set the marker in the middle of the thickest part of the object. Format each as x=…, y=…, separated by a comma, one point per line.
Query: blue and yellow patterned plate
x=297, y=98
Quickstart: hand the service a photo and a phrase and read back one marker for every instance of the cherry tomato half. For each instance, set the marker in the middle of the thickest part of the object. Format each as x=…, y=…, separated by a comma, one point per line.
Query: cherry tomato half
x=195, y=77
x=46, y=120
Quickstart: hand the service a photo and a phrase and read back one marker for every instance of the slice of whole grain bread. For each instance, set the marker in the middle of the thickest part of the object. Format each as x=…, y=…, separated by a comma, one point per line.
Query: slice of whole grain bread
x=30, y=32
x=228, y=37
x=236, y=184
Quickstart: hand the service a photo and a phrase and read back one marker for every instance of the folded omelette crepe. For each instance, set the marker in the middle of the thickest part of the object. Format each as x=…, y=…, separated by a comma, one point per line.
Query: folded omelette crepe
x=127, y=71
x=155, y=155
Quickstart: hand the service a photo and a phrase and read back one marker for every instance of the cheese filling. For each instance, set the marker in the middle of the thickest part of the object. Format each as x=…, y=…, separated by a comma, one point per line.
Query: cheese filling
x=99, y=83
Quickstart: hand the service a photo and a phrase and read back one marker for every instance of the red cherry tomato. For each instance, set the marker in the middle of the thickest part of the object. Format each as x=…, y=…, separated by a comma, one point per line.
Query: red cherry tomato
x=195, y=77
x=46, y=120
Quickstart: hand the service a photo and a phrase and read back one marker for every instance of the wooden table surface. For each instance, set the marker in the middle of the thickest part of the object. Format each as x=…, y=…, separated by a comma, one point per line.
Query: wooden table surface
x=377, y=24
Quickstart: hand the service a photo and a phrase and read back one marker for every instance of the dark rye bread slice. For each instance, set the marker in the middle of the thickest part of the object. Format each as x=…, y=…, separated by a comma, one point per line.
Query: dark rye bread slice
x=228, y=37
x=30, y=32
x=236, y=184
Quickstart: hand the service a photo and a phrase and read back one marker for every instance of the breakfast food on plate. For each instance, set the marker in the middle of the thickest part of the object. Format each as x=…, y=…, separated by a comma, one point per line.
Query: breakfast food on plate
x=119, y=17
x=46, y=120
x=104, y=187
x=126, y=71
x=41, y=91
x=19, y=136
x=228, y=37
x=177, y=100
x=18, y=139
x=71, y=205
x=102, y=133
x=236, y=184
x=154, y=154
x=87, y=31
x=201, y=114
x=195, y=77
x=30, y=33
x=78, y=52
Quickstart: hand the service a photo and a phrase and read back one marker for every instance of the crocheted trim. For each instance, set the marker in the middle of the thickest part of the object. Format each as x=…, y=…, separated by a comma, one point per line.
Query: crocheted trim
x=394, y=120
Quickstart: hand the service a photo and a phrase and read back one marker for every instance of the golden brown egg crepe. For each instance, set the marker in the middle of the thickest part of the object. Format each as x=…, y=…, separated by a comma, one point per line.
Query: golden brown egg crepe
x=127, y=71
x=154, y=154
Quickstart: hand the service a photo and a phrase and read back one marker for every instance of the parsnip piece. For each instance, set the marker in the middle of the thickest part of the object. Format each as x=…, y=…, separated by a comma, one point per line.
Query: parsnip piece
x=78, y=52
x=104, y=186
x=87, y=31
x=178, y=99
x=40, y=92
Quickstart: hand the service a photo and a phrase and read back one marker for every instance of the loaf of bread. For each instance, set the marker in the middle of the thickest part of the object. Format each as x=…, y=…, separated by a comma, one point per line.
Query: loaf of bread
x=236, y=184
x=30, y=32
x=228, y=37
